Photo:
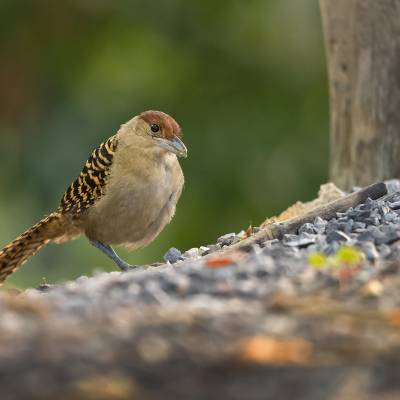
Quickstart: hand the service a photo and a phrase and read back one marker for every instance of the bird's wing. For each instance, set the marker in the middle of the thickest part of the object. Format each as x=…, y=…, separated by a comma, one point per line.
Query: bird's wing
x=90, y=184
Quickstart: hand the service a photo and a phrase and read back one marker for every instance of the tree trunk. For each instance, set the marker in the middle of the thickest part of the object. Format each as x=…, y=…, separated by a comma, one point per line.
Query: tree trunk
x=362, y=40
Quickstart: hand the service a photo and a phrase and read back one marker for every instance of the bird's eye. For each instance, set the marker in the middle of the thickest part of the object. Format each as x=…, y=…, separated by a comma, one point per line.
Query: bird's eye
x=155, y=128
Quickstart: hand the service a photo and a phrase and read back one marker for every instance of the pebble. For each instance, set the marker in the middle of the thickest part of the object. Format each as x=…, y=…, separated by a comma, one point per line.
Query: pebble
x=173, y=255
x=395, y=205
x=359, y=225
x=369, y=250
x=191, y=253
x=226, y=240
x=302, y=240
x=320, y=225
x=204, y=250
x=337, y=236
x=307, y=228
x=373, y=288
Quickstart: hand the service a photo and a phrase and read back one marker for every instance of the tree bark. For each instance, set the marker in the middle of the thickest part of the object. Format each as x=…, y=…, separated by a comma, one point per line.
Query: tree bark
x=362, y=40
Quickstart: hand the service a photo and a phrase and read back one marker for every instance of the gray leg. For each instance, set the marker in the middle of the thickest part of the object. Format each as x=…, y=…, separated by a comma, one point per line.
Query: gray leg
x=109, y=252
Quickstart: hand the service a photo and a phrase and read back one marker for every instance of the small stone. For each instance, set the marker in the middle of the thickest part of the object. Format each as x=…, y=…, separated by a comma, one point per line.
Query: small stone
x=384, y=210
x=333, y=225
x=348, y=228
x=320, y=225
x=172, y=255
x=236, y=239
x=359, y=225
x=390, y=217
x=369, y=250
x=373, y=288
x=369, y=204
x=395, y=205
x=366, y=236
x=359, y=214
x=331, y=248
x=269, y=243
x=302, y=240
x=211, y=249
x=191, y=253
x=338, y=236
x=393, y=186
x=342, y=226
x=203, y=249
x=307, y=228
x=372, y=221
x=384, y=250
x=359, y=230
x=388, y=237
x=226, y=240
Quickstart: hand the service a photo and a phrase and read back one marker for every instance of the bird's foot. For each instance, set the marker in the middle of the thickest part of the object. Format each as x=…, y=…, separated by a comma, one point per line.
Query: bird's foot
x=109, y=252
x=128, y=267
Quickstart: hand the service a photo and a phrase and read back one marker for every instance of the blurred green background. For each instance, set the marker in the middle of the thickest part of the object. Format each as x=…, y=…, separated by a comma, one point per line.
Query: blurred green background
x=245, y=79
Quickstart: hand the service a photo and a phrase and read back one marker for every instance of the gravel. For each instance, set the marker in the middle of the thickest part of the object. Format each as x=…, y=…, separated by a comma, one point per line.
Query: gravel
x=266, y=268
x=189, y=311
x=372, y=228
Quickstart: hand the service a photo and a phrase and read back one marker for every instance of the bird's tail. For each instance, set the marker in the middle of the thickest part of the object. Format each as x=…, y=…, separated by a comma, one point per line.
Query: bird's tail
x=27, y=244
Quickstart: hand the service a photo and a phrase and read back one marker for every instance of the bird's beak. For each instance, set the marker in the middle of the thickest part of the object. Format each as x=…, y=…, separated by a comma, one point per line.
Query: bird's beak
x=175, y=145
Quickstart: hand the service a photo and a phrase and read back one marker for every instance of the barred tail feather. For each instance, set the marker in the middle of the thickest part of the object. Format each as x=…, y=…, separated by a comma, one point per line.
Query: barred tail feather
x=27, y=244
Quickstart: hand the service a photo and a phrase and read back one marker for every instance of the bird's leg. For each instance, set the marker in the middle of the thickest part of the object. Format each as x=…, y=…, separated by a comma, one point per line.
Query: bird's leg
x=109, y=252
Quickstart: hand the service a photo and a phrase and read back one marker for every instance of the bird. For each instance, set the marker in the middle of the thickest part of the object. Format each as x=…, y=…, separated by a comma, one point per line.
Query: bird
x=125, y=194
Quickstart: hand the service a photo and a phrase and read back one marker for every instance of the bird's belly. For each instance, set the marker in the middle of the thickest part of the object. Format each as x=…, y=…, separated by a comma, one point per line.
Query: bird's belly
x=133, y=216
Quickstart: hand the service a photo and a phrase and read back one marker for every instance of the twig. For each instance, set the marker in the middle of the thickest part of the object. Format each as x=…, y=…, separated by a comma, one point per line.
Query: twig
x=328, y=211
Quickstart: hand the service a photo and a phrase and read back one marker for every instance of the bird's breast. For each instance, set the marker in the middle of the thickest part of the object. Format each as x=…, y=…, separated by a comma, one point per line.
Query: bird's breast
x=139, y=201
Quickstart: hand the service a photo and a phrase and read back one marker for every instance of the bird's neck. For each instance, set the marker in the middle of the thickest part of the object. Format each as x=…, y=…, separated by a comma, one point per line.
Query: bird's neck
x=143, y=161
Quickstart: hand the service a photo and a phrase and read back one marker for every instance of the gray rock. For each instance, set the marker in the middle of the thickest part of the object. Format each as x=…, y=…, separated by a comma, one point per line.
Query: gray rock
x=395, y=205
x=393, y=185
x=337, y=236
x=369, y=204
x=384, y=210
x=226, y=240
x=388, y=236
x=372, y=220
x=390, y=217
x=212, y=248
x=369, y=250
x=359, y=225
x=307, y=228
x=302, y=240
x=384, y=251
x=349, y=226
x=320, y=225
x=191, y=253
x=203, y=250
x=236, y=239
x=340, y=215
x=173, y=255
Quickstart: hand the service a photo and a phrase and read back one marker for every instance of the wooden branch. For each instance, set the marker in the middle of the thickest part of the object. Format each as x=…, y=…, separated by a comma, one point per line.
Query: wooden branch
x=277, y=230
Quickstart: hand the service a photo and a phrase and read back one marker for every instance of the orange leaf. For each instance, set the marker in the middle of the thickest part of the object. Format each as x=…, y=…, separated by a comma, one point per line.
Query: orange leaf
x=219, y=262
x=268, y=350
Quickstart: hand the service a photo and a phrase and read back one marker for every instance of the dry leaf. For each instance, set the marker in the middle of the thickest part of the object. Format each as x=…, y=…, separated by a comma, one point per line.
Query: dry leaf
x=218, y=262
x=268, y=350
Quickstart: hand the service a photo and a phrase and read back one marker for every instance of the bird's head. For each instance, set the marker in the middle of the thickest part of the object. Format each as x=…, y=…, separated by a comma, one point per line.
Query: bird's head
x=155, y=129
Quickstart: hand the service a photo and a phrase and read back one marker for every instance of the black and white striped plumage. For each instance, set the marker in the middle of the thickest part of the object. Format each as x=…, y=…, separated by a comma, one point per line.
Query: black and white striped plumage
x=89, y=186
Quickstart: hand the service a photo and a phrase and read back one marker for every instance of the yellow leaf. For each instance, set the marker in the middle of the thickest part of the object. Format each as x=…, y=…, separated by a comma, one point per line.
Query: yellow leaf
x=317, y=260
